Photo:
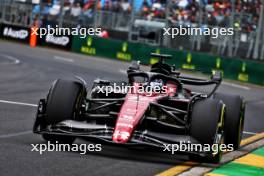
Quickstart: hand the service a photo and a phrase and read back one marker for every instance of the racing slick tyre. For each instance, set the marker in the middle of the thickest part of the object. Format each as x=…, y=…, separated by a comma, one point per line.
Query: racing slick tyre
x=206, y=126
x=63, y=102
x=234, y=120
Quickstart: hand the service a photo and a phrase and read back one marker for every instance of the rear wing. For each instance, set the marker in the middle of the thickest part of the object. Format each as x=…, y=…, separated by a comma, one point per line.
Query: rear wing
x=161, y=57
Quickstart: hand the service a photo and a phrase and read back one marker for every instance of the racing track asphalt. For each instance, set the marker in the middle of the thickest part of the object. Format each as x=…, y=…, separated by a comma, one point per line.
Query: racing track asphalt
x=25, y=76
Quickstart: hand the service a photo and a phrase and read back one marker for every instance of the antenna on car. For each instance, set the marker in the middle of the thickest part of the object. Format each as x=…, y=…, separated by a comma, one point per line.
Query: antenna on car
x=161, y=56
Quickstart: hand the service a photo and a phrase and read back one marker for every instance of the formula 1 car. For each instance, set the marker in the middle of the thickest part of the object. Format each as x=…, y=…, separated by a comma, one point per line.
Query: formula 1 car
x=171, y=115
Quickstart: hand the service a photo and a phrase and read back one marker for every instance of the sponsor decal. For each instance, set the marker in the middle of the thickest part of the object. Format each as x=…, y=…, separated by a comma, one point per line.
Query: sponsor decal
x=124, y=135
x=218, y=66
x=189, y=64
x=89, y=49
x=243, y=76
x=15, y=32
x=57, y=40
x=124, y=55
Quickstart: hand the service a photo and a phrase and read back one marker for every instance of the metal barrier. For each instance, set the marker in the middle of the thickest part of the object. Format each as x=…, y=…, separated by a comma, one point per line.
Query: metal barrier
x=113, y=20
x=1, y=10
x=242, y=44
x=16, y=13
x=241, y=41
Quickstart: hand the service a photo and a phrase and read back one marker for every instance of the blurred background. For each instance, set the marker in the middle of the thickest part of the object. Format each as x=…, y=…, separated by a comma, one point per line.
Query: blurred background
x=132, y=29
x=141, y=21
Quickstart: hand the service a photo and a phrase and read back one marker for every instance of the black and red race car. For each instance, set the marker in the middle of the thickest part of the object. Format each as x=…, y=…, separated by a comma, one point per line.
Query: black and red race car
x=155, y=118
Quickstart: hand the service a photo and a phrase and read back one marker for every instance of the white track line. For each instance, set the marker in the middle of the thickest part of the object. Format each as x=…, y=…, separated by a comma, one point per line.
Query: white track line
x=63, y=59
x=18, y=103
x=14, y=134
x=19, y=133
x=236, y=86
x=13, y=59
x=251, y=133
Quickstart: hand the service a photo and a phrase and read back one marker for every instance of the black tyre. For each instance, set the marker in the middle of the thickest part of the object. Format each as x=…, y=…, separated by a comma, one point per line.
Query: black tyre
x=63, y=102
x=234, y=120
x=207, y=121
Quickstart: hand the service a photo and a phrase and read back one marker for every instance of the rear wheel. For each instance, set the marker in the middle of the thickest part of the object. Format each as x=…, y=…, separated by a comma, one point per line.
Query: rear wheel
x=63, y=103
x=234, y=121
x=206, y=126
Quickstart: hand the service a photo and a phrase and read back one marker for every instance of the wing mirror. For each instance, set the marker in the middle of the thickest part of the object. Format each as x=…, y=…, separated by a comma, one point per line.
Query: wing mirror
x=135, y=65
x=216, y=76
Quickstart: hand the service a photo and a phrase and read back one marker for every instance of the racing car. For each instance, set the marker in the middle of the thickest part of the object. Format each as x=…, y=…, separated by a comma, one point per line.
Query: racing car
x=173, y=114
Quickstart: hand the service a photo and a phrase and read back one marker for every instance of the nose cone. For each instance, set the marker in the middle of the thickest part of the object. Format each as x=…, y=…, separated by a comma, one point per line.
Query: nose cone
x=132, y=111
x=121, y=136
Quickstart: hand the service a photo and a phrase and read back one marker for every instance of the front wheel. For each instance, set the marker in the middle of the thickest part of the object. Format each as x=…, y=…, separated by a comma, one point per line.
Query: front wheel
x=206, y=126
x=63, y=103
x=234, y=120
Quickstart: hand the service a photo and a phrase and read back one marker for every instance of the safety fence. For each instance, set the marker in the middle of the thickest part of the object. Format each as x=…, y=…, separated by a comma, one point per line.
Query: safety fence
x=245, y=18
x=232, y=68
